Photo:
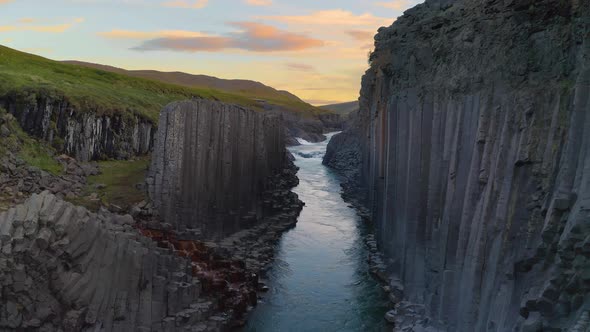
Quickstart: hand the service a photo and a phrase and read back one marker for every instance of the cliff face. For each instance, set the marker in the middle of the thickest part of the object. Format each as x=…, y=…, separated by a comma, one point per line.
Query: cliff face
x=63, y=268
x=474, y=132
x=83, y=135
x=217, y=168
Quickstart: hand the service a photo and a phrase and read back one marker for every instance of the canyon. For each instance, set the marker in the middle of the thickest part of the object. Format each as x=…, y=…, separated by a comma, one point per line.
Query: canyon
x=453, y=196
x=471, y=153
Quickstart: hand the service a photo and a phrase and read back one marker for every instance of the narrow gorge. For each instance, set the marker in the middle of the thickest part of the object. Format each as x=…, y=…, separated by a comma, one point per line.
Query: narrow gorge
x=454, y=196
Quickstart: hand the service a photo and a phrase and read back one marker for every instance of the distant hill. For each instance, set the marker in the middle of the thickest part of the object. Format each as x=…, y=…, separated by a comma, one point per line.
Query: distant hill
x=343, y=108
x=240, y=87
x=108, y=89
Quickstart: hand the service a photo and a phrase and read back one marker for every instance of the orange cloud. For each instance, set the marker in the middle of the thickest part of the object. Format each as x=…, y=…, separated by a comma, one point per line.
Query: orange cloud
x=259, y=2
x=26, y=26
x=336, y=17
x=59, y=28
x=254, y=37
x=361, y=35
x=397, y=4
x=130, y=34
x=5, y=1
x=186, y=4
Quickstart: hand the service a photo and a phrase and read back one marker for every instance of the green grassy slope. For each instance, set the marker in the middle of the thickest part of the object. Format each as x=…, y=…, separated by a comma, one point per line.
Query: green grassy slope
x=246, y=88
x=103, y=91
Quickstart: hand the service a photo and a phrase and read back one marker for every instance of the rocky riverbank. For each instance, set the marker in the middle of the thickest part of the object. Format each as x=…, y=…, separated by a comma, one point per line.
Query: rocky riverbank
x=51, y=249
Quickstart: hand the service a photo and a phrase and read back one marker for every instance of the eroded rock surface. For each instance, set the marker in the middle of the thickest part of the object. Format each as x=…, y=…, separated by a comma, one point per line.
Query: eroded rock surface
x=474, y=132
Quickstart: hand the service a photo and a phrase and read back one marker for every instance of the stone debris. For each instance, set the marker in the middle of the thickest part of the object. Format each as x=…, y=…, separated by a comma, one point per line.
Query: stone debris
x=18, y=180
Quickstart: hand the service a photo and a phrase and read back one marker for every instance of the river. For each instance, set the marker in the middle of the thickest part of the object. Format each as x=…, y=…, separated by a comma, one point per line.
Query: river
x=319, y=280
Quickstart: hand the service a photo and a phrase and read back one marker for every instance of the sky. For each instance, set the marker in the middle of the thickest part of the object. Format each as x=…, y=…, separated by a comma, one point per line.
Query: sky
x=314, y=49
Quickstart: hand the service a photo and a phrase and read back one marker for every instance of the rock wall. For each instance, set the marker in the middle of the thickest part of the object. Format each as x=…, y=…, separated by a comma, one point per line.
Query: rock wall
x=311, y=129
x=215, y=166
x=85, y=135
x=474, y=132
x=65, y=269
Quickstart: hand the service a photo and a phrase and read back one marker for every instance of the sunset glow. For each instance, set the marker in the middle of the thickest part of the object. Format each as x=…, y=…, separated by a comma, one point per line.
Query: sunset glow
x=317, y=50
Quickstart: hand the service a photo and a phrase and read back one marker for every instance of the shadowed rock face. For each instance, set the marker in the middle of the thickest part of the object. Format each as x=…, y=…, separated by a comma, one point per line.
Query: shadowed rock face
x=475, y=160
x=213, y=164
x=83, y=135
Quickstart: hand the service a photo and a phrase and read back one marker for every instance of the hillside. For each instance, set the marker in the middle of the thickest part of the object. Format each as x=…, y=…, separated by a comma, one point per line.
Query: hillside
x=108, y=91
x=342, y=108
x=245, y=88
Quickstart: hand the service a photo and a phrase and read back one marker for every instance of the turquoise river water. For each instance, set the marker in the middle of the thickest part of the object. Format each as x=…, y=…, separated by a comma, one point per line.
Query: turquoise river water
x=320, y=279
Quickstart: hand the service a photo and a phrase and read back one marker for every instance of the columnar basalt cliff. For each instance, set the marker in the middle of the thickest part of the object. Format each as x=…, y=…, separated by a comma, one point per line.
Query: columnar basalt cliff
x=85, y=135
x=218, y=168
x=474, y=132
x=63, y=268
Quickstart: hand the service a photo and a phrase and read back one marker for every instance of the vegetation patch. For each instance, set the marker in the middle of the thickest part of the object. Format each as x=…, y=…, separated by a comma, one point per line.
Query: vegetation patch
x=34, y=152
x=120, y=183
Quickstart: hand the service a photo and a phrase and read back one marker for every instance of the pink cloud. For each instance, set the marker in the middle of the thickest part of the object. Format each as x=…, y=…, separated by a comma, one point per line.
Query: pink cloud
x=335, y=17
x=300, y=67
x=251, y=36
x=361, y=35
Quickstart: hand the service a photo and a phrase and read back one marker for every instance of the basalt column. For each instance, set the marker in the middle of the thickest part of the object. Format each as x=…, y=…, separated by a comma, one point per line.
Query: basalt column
x=212, y=164
x=474, y=154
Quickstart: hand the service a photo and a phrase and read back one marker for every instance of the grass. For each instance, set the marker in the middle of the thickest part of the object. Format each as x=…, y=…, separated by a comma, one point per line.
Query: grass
x=119, y=178
x=100, y=91
x=33, y=152
x=38, y=155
